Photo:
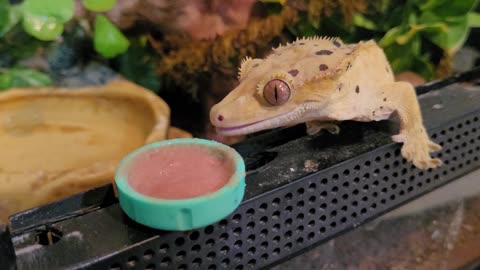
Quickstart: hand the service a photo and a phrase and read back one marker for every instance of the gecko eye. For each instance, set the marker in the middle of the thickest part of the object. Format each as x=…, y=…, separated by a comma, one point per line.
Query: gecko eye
x=276, y=92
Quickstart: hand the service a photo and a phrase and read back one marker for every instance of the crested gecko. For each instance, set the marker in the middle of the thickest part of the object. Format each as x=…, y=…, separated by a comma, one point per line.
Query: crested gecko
x=320, y=81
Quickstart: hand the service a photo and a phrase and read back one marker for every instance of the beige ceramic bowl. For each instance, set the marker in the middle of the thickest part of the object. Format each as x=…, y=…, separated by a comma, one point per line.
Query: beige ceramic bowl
x=57, y=142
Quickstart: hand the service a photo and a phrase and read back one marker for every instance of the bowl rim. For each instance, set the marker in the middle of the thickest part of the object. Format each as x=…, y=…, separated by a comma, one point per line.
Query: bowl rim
x=121, y=178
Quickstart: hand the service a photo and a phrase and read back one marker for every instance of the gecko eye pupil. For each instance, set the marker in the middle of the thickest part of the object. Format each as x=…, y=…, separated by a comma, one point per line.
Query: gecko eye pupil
x=276, y=92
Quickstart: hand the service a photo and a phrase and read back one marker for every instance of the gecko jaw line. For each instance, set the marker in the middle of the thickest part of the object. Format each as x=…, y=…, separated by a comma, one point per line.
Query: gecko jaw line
x=269, y=123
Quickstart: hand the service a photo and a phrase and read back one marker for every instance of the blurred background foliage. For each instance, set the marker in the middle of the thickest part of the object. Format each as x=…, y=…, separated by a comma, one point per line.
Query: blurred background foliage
x=43, y=40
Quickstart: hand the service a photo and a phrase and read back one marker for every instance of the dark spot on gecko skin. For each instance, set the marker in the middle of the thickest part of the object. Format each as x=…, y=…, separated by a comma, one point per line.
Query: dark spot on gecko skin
x=339, y=87
x=315, y=45
x=324, y=52
x=381, y=107
x=301, y=43
x=349, y=65
x=385, y=99
x=357, y=89
x=387, y=69
x=323, y=67
x=255, y=65
x=293, y=72
x=336, y=43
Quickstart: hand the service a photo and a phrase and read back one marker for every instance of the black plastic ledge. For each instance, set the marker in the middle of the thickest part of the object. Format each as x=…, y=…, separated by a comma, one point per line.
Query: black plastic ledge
x=287, y=210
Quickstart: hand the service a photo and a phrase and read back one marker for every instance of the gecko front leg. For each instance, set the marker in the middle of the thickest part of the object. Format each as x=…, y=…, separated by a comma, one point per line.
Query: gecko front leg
x=401, y=97
x=314, y=127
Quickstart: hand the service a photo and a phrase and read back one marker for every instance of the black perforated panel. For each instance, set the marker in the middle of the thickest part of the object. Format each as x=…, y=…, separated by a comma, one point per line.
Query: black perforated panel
x=269, y=228
x=303, y=213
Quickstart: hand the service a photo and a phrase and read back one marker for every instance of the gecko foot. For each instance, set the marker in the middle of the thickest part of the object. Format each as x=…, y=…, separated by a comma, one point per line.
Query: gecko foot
x=314, y=127
x=417, y=147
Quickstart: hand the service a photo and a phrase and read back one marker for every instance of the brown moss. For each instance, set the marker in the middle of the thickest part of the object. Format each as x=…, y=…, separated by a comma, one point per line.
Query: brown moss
x=224, y=53
x=182, y=57
x=348, y=8
x=445, y=66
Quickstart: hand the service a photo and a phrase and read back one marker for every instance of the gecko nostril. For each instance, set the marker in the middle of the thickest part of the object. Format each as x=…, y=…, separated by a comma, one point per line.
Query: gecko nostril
x=220, y=117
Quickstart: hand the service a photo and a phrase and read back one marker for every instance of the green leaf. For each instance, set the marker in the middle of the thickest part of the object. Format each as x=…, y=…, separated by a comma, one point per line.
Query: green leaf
x=390, y=37
x=444, y=8
x=9, y=17
x=4, y=13
x=422, y=66
x=99, y=5
x=361, y=21
x=23, y=77
x=62, y=10
x=5, y=80
x=107, y=39
x=401, y=57
x=42, y=27
x=430, y=4
x=17, y=45
x=473, y=19
x=138, y=66
x=454, y=37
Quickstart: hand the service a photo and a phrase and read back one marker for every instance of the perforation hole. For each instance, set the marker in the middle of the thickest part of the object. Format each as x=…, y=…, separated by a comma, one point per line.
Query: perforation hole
x=238, y=244
x=224, y=237
x=180, y=241
x=148, y=255
x=197, y=262
x=223, y=223
x=180, y=255
x=211, y=255
x=165, y=262
x=163, y=248
x=263, y=207
x=209, y=243
x=224, y=250
x=237, y=231
x=275, y=202
x=225, y=263
x=208, y=229
x=132, y=261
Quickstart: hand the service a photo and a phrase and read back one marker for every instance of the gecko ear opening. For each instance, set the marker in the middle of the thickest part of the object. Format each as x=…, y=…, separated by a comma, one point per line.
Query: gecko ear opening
x=276, y=92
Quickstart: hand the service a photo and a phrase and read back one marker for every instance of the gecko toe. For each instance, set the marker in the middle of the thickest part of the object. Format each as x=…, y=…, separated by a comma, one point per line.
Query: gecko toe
x=399, y=138
x=433, y=147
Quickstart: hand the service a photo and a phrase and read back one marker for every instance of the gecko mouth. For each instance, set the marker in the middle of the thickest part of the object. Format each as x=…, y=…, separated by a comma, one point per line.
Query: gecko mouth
x=269, y=123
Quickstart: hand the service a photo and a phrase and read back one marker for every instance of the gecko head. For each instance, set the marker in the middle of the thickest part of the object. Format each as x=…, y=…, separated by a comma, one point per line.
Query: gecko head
x=267, y=97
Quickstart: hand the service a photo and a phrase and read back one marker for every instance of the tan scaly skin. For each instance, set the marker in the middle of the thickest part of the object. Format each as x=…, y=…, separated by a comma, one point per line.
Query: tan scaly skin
x=319, y=81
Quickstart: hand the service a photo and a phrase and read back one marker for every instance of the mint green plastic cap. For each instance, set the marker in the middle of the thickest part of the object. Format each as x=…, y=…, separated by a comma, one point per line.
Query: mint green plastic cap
x=182, y=214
